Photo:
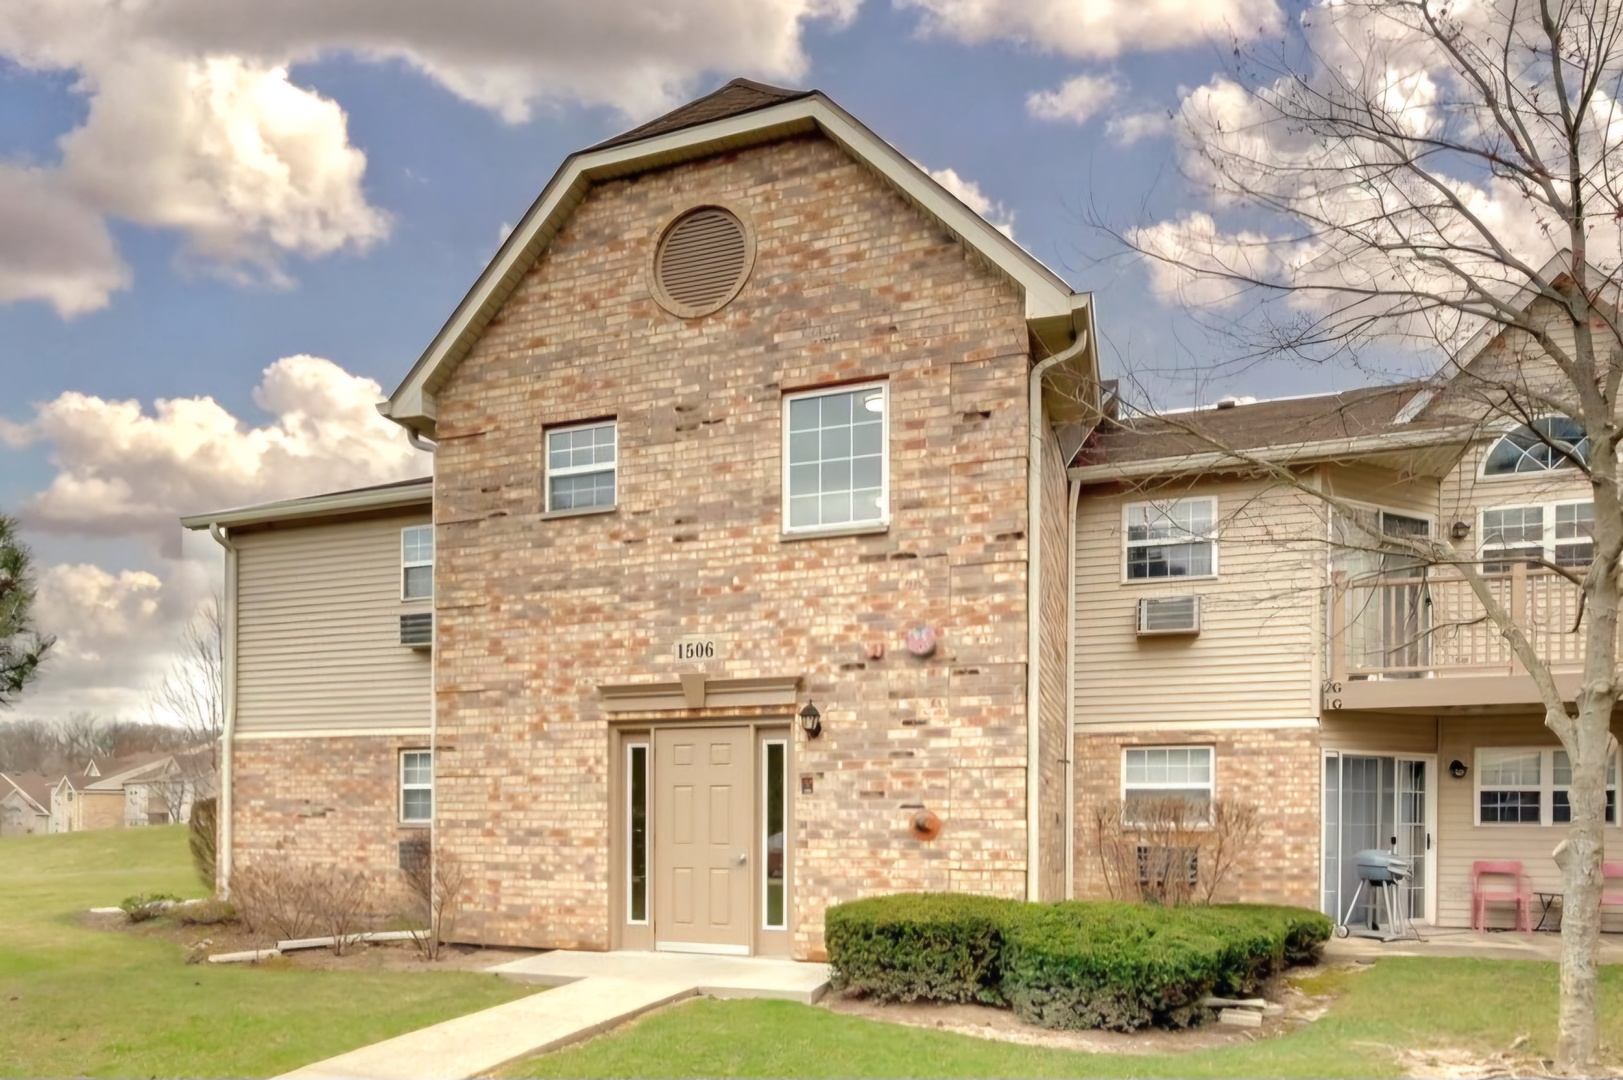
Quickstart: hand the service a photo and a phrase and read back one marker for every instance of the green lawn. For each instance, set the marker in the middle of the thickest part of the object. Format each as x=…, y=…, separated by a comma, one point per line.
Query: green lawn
x=1475, y=1005
x=76, y=1002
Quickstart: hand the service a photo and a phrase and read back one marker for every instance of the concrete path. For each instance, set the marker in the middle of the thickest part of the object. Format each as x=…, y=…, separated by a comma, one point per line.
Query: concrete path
x=594, y=992
x=1482, y=944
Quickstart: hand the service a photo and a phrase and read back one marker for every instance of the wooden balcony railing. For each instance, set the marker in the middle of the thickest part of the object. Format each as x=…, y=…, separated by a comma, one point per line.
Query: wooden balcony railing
x=1428, y=622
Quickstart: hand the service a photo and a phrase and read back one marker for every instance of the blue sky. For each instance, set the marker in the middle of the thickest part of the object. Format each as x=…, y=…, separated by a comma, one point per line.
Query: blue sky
x=153, y=254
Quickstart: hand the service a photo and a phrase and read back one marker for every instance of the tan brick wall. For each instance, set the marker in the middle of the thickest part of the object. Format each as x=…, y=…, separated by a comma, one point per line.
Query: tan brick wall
x=101, y=810
x=1277, y=769
x=1053, y=654
x=322, y=801
x=849, y=283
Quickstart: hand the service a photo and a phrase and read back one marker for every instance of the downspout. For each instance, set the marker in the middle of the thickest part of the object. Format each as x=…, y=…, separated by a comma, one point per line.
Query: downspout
x=224, y=832
x=1034, y=511
x=429, y=446
x=1070, y=694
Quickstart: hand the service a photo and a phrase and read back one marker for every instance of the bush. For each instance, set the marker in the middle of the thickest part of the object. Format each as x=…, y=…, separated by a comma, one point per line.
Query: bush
x=144, y=906
x=1073, y=965
x=202, y=838
x=917, y=946
x=204, y=912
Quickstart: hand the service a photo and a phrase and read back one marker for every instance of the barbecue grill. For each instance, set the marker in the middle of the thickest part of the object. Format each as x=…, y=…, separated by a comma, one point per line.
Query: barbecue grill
x=1383, y=890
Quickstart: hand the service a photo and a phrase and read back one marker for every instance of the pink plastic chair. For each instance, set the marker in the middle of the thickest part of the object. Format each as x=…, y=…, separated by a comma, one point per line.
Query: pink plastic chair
x=1611, y=875
x=1521, y=895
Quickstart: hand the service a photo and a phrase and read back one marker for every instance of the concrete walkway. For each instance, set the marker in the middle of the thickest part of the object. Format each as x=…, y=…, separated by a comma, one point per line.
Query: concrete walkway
x=1482, y=944
x=594, y=992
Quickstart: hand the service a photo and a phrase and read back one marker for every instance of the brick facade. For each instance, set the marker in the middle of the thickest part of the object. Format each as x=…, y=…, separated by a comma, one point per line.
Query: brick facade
x=1278, y=769
x=324, y=800
x=849, y=283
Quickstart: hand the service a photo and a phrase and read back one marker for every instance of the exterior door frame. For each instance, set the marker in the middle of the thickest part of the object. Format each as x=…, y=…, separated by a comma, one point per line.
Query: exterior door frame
x=1429, y=916
x=623, y=735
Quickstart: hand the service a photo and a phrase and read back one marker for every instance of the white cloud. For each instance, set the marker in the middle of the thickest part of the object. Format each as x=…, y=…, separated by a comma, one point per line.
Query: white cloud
x=1095, y=29
x=1130, y=128
x=126, y=472
x=970, y=194
x=1077, y=100
x=53, y=247
x=195, y=126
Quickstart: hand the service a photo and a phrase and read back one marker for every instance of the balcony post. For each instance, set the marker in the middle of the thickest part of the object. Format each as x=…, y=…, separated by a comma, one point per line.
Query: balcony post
x=1518, y=601
x=1337, y=645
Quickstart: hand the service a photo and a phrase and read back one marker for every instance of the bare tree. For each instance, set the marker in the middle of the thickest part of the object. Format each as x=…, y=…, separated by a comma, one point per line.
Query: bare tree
x=193, y=690
x=1448, y=175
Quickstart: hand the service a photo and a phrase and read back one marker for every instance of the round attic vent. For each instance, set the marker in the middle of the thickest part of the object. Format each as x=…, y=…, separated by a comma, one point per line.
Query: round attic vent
x=702, y=261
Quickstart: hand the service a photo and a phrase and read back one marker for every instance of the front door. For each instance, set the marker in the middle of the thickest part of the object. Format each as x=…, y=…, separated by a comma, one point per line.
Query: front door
x=703, y=838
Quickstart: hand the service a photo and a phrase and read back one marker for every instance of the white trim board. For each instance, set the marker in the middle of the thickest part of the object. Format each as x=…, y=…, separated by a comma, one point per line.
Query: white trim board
x=1194, y=726
x=333, y=733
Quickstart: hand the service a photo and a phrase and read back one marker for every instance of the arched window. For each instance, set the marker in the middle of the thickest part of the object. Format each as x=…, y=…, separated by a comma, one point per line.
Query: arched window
x=1550, y=442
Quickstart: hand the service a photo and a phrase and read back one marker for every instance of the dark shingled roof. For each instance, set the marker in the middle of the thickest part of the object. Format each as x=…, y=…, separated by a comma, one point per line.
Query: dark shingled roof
x=1289, y=421
x=36, y=786
x=736, y=98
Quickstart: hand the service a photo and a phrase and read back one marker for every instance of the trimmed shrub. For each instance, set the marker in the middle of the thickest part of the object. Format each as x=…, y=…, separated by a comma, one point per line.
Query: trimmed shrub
x=144, y=906
x=1112, y=965
x=918, y=947
x=204, y=912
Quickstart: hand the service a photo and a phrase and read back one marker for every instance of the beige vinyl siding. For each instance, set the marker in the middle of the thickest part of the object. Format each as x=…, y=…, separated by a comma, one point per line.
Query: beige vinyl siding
x=1254, y=657
x=1376, y=733
x=1460, y=841
x=1382, y=488
x=318, y=633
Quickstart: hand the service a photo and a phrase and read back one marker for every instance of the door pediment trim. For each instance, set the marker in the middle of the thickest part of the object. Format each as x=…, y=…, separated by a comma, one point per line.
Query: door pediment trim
x=696, y=690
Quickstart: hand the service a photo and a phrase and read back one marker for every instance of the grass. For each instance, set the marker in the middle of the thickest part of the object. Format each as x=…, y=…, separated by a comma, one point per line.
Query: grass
x=77, y=1002
x=1475, y=1005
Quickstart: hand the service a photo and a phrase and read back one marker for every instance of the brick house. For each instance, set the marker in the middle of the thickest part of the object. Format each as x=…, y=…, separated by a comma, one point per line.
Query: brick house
x=749, y=421
x=748, y=413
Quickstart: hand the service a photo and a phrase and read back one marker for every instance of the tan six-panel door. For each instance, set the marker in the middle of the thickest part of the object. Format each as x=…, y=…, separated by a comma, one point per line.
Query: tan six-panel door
x=704, y=838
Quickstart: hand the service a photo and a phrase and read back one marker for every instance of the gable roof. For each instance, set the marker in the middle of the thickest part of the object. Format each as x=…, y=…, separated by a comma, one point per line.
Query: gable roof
x=1348, y=423
x=117, y=772
x=32, y=786
x=735, y=99
x=739, y=115
x=400, y=494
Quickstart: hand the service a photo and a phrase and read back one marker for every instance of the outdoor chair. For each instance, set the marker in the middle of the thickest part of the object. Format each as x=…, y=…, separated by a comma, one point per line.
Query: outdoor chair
x=1611, y=874
x=1521, y=893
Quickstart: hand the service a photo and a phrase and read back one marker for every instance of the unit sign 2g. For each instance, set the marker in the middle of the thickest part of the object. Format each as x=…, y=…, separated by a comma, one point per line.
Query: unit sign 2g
x=695, y=647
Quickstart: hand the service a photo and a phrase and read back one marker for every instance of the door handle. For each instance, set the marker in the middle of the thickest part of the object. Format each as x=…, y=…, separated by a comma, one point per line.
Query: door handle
x=742, y=859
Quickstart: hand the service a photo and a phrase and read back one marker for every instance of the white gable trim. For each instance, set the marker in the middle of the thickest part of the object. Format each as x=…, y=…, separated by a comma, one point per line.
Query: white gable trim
x=1049, y=300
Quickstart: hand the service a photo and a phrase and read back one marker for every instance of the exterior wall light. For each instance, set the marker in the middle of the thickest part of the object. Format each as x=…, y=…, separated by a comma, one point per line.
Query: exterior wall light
x=811, y=721
x=1460, y=530
x=1456, y=769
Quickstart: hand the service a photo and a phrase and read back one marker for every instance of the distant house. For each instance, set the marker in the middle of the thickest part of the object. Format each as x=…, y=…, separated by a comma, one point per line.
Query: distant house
x=140, y=789
x=163, y=794
x=25, y=804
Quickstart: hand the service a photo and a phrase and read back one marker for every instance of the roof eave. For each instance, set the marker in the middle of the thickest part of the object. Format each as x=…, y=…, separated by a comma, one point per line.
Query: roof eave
x=1051, y=304
x=1306, y=453
x=350, y=502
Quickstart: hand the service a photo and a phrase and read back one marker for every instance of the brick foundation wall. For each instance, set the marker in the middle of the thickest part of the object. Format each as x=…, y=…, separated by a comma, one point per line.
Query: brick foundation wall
x=1277, y=769
x=849, y=283
x=324, y=801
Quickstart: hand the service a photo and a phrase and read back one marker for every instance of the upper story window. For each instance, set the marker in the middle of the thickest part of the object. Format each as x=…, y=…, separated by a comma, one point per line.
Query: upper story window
x=836, y=459
x=1550, y=442
x=1176, y=539
x=580, y=467
x=1529, y=786
x=1562, y=534
x=417, y=562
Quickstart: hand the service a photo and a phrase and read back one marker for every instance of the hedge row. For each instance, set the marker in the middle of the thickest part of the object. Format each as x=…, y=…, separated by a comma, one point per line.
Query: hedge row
x=1075, y=965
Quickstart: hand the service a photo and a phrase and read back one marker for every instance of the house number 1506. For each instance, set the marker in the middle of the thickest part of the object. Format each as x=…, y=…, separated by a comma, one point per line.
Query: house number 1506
x=695, y=650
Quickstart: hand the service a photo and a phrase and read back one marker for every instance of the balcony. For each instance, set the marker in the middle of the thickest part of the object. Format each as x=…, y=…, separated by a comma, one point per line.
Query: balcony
x=1420, y=641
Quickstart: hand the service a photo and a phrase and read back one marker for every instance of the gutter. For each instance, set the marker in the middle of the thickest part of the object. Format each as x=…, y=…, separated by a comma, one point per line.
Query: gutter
x=224, y=832
x=1034, y=511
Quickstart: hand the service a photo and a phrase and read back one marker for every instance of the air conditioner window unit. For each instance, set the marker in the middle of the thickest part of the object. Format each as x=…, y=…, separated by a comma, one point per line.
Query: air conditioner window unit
x=417, y=630
x=1168, y=615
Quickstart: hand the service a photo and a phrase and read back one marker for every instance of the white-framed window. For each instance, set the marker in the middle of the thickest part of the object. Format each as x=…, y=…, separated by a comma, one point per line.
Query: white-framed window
x=1171, y=539
x=1529, y=786
x=581, y=461
x=417, y=562
x=416, y=786
x=1548, y=443
x=1153, y=773
x=1558, y=533
x=836, y=458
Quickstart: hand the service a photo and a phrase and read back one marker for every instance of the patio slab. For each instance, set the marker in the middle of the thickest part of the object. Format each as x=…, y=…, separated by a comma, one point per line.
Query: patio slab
x=593, y=992
x=1482, y=944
